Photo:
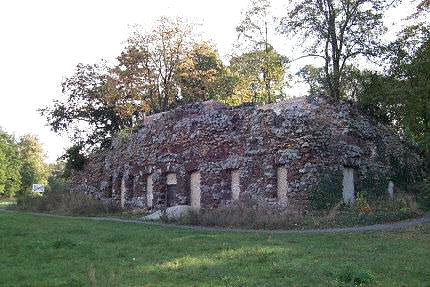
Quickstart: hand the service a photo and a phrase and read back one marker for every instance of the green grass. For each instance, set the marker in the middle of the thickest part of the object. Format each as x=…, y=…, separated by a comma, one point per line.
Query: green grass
x=49, y=251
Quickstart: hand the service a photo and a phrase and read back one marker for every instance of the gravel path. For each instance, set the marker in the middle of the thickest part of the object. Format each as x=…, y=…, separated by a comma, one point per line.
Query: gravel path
x=389, y=226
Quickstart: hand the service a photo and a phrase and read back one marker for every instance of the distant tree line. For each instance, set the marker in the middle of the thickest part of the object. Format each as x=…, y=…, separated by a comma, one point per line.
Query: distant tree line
x=21, y=164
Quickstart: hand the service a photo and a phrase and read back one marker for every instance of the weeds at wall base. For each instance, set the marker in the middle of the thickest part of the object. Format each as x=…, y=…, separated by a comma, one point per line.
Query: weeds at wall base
x=252, y=215
x=66, y=203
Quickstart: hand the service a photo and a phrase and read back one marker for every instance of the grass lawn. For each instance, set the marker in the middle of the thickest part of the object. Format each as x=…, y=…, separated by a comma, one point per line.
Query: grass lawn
x=48, y=251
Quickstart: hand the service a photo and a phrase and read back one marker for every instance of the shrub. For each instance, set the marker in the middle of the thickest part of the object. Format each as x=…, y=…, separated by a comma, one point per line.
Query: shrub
x=327, y=193
x=406, y=173
x=422, y=192
x=362, y=204
x=246, y=213
x=64, y=202
x=373, y=184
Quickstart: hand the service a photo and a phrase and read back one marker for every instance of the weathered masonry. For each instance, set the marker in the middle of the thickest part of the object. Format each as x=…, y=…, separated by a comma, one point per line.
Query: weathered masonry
x=207, y=155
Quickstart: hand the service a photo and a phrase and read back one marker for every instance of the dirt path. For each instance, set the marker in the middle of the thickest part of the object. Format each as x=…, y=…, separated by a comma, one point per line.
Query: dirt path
x=389, y=226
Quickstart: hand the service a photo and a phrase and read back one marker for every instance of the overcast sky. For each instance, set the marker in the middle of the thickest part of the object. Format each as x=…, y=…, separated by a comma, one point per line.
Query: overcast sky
x=42, y=41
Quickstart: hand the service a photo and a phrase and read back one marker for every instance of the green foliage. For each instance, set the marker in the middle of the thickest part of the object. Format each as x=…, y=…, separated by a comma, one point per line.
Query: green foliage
x=373, y=184
x=33, y=168
x=401, y=94
x=157, y=70
x=91, y=110
x=261, y=69
x=10, y=165
x=260, y=76
x=353, y=81
x=336, y=32
x=57, y=180
x=423, y=195
x=124, y=134
x=362, y=204
x=406, y=173
x=328, y=192
x=75, y=159
x=202, y=75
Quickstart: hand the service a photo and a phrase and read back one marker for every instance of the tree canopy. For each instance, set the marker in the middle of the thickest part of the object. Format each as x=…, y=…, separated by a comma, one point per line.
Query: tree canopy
x=33, y=166
x=260, y=68
x=170, y=64
x=261, y=77
x=157, y=70
x=21, y=164
x=10, y=165
x=337, y=31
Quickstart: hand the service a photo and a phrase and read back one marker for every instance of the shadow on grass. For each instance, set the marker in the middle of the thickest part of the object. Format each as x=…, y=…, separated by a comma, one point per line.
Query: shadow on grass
x=46, y=251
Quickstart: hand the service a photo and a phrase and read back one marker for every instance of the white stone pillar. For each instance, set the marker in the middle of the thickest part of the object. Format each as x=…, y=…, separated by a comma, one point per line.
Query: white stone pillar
x=235, y=184
x=149, y=192
x=123, y=192
x=195, y=190
x=282, y=183
x=171, y=178
x=348, y=185
x=391, y=189
x=113, y=190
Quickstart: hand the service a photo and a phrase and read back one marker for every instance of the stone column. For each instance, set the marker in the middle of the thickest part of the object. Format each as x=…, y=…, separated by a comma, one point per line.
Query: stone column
x=123, y=192
x=235, y=184
x=348, y=185
x=391, y=189
x=282, y=183
x=171, y=179
x=195, y=190
x=149, y=192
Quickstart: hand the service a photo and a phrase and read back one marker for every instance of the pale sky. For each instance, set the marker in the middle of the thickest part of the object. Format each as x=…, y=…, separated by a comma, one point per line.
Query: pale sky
x=42, y=41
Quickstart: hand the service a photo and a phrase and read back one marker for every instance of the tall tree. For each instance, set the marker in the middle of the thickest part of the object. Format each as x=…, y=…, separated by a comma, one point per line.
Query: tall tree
x=315, y=77
x=255, y=70
x=161, y=52
x=33, y=167
x=254, y=29
x=202, y=75
x=91, y=110
x=337, y=31
x=401, y=94
x=10, y=165
x=99, y=101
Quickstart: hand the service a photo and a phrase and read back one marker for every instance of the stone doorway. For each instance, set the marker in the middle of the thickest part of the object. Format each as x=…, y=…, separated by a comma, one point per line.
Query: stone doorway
x=171, y=189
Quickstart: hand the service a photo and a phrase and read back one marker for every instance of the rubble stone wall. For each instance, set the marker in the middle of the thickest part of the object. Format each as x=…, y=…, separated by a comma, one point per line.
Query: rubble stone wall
x=302, y=138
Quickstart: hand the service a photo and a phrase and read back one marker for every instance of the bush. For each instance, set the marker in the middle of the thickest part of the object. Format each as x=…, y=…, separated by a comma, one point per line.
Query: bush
x=64, y=202
x=247, y=213
x=328, y=192
x=422, y=192
x=373, y=184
